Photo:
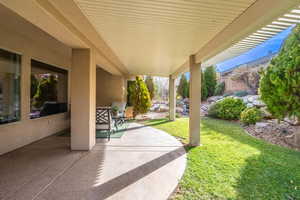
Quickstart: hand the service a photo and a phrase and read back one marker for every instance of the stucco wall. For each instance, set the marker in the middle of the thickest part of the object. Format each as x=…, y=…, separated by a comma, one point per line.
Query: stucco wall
x=109, y=88
x=19, y=36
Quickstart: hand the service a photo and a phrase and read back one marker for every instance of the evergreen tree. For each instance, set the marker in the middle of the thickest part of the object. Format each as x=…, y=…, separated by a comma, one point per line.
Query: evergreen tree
x=130, y=91
x=151, y=87
x=280, y=82
x=210, y=78
x=187, y=89
x=183, y=87
x=140, y=97
x=204, y=93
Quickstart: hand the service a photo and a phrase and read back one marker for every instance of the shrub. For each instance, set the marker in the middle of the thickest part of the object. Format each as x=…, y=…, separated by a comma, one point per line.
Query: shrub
x=251, y=116
x=220, y=88
x=227, y=94
x=212, y=112
x=228, y=108
x=240, y=93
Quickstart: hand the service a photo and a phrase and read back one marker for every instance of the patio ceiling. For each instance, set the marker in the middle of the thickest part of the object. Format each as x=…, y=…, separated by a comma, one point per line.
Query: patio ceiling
x=157, y=36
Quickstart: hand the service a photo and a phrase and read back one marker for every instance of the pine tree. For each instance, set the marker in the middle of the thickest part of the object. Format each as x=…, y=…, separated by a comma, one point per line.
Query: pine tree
x=151, y=87
x=280, y=82
x=183, y=87
x=210, y=78
x=141, y=97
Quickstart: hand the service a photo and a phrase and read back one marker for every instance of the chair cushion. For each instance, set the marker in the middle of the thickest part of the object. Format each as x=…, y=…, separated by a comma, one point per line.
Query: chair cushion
x=102, y=126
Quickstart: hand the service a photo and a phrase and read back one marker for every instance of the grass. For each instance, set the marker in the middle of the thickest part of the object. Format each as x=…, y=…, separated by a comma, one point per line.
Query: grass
x=233, y=165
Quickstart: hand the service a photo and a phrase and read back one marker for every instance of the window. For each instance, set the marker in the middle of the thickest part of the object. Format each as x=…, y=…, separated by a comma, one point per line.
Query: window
x=49, y=90
x=10, y=65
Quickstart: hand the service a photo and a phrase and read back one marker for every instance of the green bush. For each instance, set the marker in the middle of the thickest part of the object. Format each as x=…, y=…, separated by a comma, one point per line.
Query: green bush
x=240, y=93
x=251, y=116
x=228, y=108
x=220, y=88
x=227, y=94
x=212, y=112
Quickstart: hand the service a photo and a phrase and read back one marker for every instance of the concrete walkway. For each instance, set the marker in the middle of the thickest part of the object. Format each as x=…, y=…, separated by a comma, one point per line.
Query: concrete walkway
x=145, y=163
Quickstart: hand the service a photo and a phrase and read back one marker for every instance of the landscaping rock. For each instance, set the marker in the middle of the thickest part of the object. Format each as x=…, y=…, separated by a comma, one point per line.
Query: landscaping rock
x=291, y=120
x=283, y=133
x=179, y=110
x=249, y=105
x=214, y=99
x=252, y=98
x=258, y=103
x=265, y=112
x=261, y=127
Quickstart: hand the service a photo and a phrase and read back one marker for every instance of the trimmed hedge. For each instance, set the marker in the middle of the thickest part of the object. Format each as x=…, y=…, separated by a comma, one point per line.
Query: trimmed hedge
x=251, y=116
x=229, y=108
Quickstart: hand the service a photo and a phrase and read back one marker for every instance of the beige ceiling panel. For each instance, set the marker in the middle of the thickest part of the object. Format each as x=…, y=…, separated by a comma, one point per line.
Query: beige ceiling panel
x=157, y=36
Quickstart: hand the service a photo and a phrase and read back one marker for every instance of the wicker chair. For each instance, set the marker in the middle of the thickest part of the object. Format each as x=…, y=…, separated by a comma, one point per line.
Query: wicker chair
x=104, y=121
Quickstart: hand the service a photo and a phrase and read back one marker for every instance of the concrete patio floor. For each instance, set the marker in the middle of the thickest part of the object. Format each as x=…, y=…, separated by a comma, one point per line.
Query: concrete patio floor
x=145, y=163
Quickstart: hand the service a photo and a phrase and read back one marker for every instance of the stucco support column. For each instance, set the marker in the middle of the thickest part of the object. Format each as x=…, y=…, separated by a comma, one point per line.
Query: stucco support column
x=172, y=99
x=83, y=99
x=195, y=101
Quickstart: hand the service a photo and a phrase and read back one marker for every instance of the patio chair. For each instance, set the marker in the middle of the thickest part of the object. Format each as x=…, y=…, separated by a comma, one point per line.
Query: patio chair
x=104, y=121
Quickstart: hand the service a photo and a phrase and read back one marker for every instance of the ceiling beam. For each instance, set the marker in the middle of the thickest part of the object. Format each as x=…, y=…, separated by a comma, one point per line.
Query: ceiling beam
x=252, y=19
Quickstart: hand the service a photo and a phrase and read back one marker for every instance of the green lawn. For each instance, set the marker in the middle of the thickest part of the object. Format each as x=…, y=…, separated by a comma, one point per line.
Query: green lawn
x=232, y=165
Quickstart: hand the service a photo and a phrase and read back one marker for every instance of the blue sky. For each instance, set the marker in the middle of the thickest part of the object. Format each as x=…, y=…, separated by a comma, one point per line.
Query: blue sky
x=272, y=45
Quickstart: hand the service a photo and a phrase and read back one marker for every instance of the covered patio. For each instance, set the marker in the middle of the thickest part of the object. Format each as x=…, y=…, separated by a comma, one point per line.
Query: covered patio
x=93, y=47
x=124, y=39
x=120, y=169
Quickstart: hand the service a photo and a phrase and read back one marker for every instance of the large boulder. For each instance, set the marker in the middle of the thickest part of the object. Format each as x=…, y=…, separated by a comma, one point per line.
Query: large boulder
x=291, y=120
x=214, y=99
x=266, y=113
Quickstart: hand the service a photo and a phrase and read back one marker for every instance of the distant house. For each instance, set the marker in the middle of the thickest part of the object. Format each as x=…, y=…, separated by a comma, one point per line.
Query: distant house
x=241, y=73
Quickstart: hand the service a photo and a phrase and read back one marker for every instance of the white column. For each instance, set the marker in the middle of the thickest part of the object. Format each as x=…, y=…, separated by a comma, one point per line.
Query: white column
x=83, y=99
x=172, y=99
x=195, y=102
